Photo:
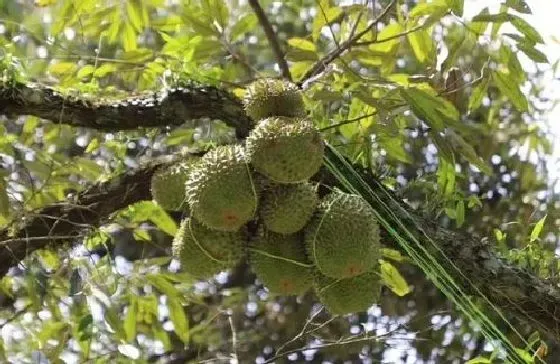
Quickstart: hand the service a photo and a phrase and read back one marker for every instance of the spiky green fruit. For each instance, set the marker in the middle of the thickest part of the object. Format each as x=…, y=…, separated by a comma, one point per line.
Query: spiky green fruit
x=285, y=209
x=270, y=97
x=285, y=150
x=342, y=238
x=205, y=252
x=280, y=263
x=349, y=295
x=220, y=189
x=168, y=186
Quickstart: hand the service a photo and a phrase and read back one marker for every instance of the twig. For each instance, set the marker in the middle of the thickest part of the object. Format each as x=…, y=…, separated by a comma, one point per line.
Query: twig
x=272, y=39
x=321, y=64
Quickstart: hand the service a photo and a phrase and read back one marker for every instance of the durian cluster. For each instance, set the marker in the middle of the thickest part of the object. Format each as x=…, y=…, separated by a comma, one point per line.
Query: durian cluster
x=299, y=241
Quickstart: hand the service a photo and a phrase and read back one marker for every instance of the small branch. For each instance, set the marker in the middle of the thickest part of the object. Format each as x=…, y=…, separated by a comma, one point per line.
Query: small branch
x=321, y=64
x=272, y=39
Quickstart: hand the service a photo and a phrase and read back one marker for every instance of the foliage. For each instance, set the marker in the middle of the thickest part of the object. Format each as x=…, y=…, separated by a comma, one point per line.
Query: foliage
x=434, y=103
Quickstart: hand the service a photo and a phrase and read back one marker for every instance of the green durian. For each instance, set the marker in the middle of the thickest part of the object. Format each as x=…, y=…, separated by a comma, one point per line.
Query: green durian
x=205, y=252
x=168, y=186
x=220, y=190
x=280, y=263
x=347, y=295
x=285, y=209
x=285, y=150
x=271, y=97
x=342, y=239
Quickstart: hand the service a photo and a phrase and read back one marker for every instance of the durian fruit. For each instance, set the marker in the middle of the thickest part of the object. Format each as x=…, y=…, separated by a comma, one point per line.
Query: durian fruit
x=285, y=150
x=221, y=191
x=342, y=239
x=280, y=263
x=271, y=97
x=286, y=209
x=204, y=252
x=168, y=186
x=348, y=295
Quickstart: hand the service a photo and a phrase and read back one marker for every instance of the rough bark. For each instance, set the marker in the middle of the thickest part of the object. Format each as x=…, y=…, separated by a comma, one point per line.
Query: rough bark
x=170, y=107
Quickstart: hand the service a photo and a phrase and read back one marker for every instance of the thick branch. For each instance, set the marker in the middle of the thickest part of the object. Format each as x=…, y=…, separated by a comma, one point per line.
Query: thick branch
x=333, y=55
x=67, y=219
x=272, y=39
x=172, y=107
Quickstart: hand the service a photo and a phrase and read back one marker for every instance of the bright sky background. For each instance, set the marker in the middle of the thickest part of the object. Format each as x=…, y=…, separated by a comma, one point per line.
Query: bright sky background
x=544, y=17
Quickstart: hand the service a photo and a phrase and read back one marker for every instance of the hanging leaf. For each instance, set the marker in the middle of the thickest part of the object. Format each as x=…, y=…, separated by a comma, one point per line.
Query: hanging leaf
x=423, y=46
x=478, y=94
x=130, y=319
x=393, y=279
x=325, y=16
x=178, y=317
x=510, y=89
x=537, y=229
x=433, y=110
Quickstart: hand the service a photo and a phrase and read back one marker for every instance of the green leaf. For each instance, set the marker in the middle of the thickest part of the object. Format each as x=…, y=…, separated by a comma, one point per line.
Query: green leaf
x=537, y=229
x=150, y=211
x=62, y=68
x=493, y=18
x=114, y=322
x=162, y=284
x=460, y=214
x=104, y=70
x=324, y=17
x=437, y=112
x=134, y=13
x=244, y=25
x=85, y=71
x=519, y=6
x=393, y=279
x=130, y=319
x=478, y=26
x=423, y=46
x=4, y=200
x=478, y=94
x=526, y=29
x=446, y=177
x=531, y=52
x=510, y=88
x=437, y=8
x=129, y=38
x=178, y=317
x=467, y=151
x=457, y=6
x=300, y=43
x=393, y=255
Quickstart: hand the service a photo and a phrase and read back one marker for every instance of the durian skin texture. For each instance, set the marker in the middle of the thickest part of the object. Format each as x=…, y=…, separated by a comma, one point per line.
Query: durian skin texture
x=270, y=97
x=281, y=276
x=221, y=191
x=342, y=239
x=285, y=209
x=349, y=295
x=168, y=186
x=285, y=150
x=204, y=252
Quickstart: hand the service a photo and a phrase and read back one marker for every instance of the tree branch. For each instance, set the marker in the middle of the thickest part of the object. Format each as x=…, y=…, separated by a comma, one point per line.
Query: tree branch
x=69, y=219
x=333, y=55
x=272, y=39
x=172, y=107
